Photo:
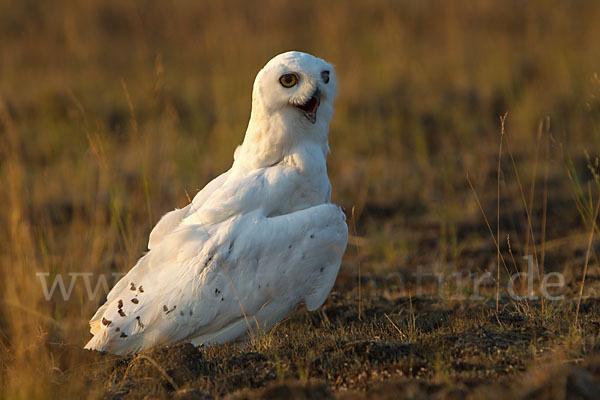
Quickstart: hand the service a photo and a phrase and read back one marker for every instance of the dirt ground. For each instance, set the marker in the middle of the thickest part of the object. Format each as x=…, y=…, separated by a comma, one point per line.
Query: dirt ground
x=459, y=351
x=406, y=336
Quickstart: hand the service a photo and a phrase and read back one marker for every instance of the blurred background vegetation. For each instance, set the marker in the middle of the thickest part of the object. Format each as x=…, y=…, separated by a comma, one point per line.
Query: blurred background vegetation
x=114, y=112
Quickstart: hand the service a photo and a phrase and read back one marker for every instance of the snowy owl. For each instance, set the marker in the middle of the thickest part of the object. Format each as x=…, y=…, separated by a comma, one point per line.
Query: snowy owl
x=252, y=245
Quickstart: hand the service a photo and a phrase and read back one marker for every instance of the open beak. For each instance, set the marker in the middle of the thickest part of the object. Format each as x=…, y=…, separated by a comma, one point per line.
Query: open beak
x=310, y=107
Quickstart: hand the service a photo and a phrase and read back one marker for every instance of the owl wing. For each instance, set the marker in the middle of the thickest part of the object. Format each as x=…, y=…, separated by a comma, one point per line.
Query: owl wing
x=211, y=284
x=262, y=189
x=281, y=261
x=171, y=220
x=165, y=226
x=232, y=193
x=140, y=310
x=218, y=200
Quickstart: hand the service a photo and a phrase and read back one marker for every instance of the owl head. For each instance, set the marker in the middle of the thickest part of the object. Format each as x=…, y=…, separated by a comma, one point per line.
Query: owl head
x=297, y=85
x=292, y=103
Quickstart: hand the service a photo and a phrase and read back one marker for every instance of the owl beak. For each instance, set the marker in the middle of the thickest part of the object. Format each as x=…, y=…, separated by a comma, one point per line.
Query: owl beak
x=310, y=107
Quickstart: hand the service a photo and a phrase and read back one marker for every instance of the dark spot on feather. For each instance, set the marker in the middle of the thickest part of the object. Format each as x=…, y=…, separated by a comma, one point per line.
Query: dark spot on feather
x=217, y=292
x=139, y=321
x=106, y=321
x=117, y=329
x=121, y=313
x=290, y=246
x=123, y=335
x=312, y=236
x=221, y=299
x=132, y=286
x=141, y=289
x=259, y=285
x=167, y=311
x=120, y=304
x=135, y=301
x=321, y=269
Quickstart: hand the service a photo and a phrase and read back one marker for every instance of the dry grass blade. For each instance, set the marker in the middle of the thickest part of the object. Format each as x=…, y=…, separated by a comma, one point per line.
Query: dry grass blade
x=161, y=370
x=487, y=223
x=527, y=211
x=502, y=119
x=358, y=257
x=533, y=179
x=545, y=195
x=133, y=118
x=512, y=257
x=587, y=259
x=402, y=334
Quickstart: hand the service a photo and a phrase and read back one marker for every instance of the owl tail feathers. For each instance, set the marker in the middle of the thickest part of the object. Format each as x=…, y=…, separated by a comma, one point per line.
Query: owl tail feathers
x=101, y=342
x=98, y=342
x=120, y=345
x=95, y=326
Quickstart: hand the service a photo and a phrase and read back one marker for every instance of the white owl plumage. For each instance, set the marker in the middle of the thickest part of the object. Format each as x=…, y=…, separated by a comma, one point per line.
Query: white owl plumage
x=254, y=243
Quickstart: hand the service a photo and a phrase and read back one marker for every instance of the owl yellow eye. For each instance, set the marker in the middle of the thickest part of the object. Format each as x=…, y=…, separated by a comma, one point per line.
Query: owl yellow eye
x=288, y=80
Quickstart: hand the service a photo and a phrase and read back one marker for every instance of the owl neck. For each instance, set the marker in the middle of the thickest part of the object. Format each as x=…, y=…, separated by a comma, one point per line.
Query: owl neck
x=271, y=137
